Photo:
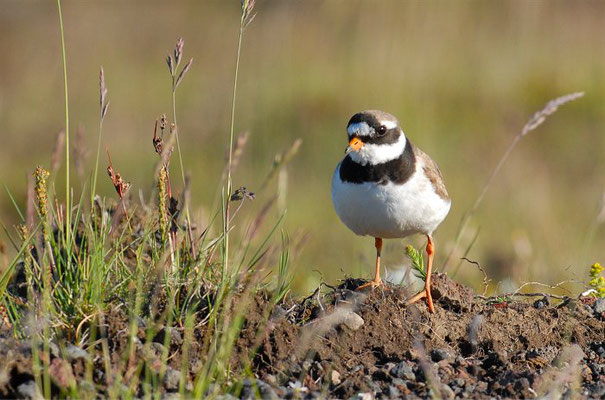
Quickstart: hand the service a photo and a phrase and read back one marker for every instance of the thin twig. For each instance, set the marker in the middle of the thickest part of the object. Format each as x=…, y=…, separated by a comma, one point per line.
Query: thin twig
x=485, y=279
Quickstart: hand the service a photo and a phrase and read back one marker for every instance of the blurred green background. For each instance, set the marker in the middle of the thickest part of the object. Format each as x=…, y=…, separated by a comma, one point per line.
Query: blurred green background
x=463, y=78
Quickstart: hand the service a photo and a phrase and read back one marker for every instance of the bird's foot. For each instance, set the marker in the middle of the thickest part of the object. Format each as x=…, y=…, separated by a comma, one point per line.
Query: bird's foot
x=420, y=295
x=374, y=283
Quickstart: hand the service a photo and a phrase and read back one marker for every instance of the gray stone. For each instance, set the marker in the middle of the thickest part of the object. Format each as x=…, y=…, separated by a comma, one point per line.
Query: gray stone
x=172, y=379
x=248, y=391
x=266, y=391
x=29, y=390
x=362, y=396
x=599, y=306
x=353, y=321
x=73, y=353
x=403, y=371
x=439, y=354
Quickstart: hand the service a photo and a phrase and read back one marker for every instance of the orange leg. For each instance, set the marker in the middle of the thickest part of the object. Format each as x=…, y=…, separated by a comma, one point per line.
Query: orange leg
x=376, y=281
x=430, y=251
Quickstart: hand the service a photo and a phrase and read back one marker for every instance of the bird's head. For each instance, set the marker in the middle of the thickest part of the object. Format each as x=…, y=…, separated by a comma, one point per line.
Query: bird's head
x=375, y=137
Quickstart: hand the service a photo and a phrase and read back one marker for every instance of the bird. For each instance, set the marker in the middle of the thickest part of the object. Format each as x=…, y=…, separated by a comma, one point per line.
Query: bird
x=387, y=188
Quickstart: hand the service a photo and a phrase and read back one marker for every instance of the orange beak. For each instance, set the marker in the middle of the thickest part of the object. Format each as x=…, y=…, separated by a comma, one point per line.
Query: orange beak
x=354, y=145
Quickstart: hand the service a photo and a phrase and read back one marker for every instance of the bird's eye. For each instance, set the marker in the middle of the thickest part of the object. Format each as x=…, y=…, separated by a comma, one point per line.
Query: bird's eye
x=382, y=130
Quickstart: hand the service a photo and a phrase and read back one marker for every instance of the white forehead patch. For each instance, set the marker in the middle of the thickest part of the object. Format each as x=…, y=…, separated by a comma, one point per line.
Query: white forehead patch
x=389, y=124
x=360, y=129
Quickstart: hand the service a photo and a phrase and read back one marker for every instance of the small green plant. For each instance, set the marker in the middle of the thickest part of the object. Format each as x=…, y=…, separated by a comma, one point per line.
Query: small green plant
x=417, y=261
x=597, y=280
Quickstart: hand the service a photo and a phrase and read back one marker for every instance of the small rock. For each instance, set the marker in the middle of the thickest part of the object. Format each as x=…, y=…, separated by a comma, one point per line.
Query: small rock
x=249, y=390
x=277, y=314
x=403, y=371
x=335, y=378
x=599, y=306
x=393, y=392
x=74, y=353
x=29, y=390
x=459, y=382
x=171, y=396
x=569, y=355
x=172, y=379
x=439, y=354
x=54, y=349
x=399, y=381
x=175, y=337
x=266, y=391
x=353, y=321
x=542, y=303
x=362, y=396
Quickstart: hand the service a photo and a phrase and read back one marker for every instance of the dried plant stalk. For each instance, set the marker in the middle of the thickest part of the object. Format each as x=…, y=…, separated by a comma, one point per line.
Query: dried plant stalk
x=535, y=121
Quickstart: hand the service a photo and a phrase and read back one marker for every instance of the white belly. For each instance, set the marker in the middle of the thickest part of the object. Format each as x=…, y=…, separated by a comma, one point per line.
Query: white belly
x=390, y=210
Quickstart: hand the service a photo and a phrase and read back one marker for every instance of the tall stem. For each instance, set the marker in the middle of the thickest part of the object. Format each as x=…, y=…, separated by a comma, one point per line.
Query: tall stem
x=67, y=186
x=229, y=183
x=94, y=179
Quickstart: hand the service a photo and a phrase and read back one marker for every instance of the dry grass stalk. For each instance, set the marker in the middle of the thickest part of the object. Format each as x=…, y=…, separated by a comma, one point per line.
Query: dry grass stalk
x=120, y=185
x=29, y=203
x=173, y=61
x=247, y=9
x=57, y=154
x=118, y=182
x=162, y=195
x=103, y=94
x=163, y=148
x=281, y=160
x=535, y=121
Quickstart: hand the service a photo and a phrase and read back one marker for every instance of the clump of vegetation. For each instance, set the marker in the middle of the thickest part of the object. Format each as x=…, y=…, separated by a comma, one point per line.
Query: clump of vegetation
x=81, y=264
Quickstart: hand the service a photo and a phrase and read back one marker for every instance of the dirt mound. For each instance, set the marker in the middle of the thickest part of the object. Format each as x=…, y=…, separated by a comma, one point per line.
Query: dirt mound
x=347, y=342
x=342, y=343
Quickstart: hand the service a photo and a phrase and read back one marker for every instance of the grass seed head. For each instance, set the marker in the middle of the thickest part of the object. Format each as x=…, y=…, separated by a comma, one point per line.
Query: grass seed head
x=41, y=189
x=178, y=50
x=103, y=94
x=184, y=71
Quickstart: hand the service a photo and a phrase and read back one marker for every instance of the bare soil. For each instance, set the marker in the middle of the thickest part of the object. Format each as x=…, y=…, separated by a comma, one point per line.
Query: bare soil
x=342, y=343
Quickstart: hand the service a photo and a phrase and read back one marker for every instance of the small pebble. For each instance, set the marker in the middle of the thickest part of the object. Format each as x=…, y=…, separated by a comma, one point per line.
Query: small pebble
x=29, y=390
x=353, y=321
x=542, y=303
x=335, y=378
x=599, y=306
x=403, y=371
x=73, y=353
x=172, y=379
x=362, y=396
x=439, y=354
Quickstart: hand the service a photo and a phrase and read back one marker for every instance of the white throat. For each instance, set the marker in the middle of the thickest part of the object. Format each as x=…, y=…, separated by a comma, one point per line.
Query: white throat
x=379, y=153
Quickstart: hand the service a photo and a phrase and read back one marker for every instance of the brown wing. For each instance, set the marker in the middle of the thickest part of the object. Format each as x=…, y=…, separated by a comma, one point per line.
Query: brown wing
x=432, y=172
